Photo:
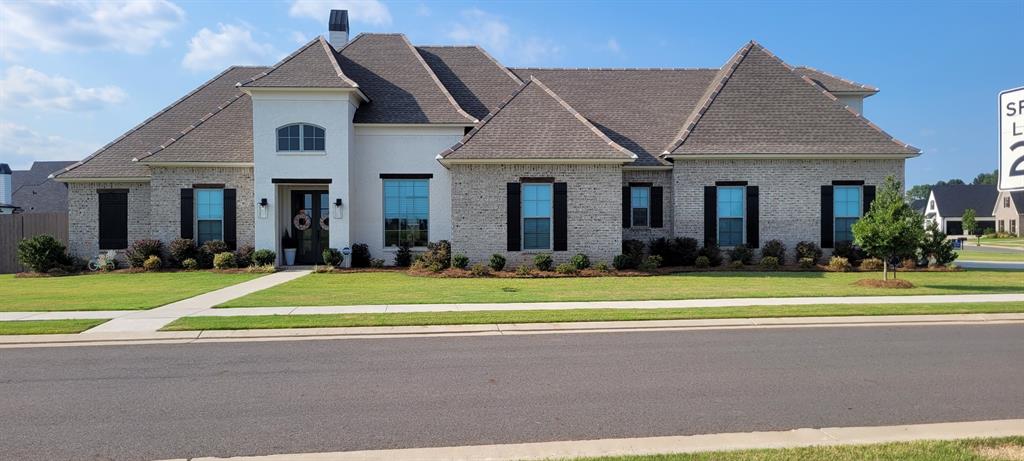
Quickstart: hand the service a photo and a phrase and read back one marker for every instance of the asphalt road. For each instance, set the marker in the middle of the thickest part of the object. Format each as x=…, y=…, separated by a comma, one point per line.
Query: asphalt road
x=165, y=401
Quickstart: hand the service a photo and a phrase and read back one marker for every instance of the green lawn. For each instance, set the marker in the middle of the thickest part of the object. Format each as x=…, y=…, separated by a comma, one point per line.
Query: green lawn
x=246, y=322
x=995, y=449
x=968, y=254
x=118, y=291
x=400, y=288
x=47, y=327
x=1007, y=242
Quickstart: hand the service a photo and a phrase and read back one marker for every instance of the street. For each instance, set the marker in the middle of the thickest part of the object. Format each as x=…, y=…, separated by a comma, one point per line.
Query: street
x=245, y=398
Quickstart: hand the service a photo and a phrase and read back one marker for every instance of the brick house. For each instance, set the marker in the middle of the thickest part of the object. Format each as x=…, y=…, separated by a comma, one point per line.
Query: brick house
x=374, y=140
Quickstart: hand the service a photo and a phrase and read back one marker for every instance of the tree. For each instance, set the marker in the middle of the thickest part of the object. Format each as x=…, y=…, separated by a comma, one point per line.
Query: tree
x=919, y=192
x=951, y=182
x=936, y=247
x=969, y=223
x=890, y=228
x=988, y=179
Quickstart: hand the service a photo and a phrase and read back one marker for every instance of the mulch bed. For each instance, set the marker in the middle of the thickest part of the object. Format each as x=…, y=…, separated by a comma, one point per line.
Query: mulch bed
x=877, y=283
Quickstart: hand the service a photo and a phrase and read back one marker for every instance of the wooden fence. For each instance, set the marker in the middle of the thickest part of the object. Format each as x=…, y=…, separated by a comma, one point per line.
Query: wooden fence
x=15, y=227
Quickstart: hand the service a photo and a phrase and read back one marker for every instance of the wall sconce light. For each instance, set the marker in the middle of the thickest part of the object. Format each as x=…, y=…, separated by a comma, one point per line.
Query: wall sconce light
x=337, y=208
x=263, y=208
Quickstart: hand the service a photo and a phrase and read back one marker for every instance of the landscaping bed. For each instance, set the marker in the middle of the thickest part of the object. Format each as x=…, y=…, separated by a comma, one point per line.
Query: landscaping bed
x=48, y=327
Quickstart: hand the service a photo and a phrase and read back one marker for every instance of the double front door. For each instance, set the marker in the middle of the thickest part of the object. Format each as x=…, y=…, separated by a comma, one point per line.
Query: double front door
x=311, y=221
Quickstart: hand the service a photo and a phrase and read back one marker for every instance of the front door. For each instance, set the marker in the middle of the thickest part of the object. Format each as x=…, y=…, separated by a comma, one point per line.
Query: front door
x=310, y=225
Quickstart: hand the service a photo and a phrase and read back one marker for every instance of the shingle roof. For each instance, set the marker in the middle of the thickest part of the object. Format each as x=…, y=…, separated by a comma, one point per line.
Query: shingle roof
x=758, y=104
x=114, y=159
x=640, y=109
x=536, y=124
x=952, y=200
x=34, y=192
x=312, y=66
x=1018, y=200
x=476, y=81
x=400, y=85
x=223, y=136
x=834, y=84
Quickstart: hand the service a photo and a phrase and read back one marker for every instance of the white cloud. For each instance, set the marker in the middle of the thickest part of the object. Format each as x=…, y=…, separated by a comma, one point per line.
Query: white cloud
x=299, y=37
x=52, y=26
x=423, y=10
x=478, y=27
x=20, y=146
x=366, y=11
x=230, y=45
x=613, y=46
x=25, y=87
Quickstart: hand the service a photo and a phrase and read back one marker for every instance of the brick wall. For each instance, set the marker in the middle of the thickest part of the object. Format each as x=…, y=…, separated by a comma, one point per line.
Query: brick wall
x=662, y=178
x=166, y=184
x=83, y=215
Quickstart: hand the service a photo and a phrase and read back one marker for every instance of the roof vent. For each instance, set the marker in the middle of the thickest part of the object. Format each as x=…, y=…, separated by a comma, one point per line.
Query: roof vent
x=337, y=27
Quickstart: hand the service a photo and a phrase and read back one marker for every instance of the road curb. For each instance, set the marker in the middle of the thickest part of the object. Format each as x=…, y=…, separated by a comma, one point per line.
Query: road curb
x=206, y=336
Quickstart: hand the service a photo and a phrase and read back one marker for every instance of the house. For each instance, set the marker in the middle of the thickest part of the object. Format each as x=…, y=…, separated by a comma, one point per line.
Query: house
x=375, y=140
x=32, y=190
x=6, y=202
x=1009, y=212
x=947, y=203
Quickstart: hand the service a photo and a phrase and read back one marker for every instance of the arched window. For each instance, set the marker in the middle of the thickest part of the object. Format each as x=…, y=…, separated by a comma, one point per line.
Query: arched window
x=300, y=137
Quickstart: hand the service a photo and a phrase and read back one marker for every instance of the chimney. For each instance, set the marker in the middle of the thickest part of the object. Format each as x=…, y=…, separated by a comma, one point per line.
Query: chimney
x=338, y=28
x=5, y=184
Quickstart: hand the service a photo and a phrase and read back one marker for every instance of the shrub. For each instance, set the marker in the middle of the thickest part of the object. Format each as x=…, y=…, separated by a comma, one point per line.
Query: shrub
x=838, y=264
x=908, y=263
x=140, y=250
x=243, y=256
x=42, y=253
x=871, y=264
x=190, y=264
x=318, y=269
x=438, y=256
x=675, y=252
x=524, y=271
x=769, y=263
x=182, y=249
x=224, y=260
x=650, y=263
x=332, y=257
x=809, y=250
x=261, y=269
x=702, y=262
x=712, y=253
x=460, y=261
x=580, y=261
x=806, y=263
x=634, y=250
x=621, y=262
x=403, y=257
x=601, y=267
x=152, y=263
x=741, y=253
x=774, y=249
x=376, y=263
x=566, y=269
x=849, y=251
x=480, y=270
x=497, y=262
x=264, y=257
x=210, y=249
x=735, y=265
x=360, y=255
x=935, y=247
x=542, y=261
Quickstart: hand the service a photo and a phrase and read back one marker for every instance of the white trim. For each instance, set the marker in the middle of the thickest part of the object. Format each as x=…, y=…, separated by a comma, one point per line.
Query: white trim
x=198, y=164
x=86, y=180
x=787, y=156
x=249, y=90
x=540, y=161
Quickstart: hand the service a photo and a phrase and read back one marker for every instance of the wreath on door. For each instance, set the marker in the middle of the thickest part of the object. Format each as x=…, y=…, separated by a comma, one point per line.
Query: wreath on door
x=302, y=221
x=325, y=222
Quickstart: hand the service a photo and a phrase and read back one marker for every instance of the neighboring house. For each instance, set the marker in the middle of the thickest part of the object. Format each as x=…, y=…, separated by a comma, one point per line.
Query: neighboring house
x=919, y=205
x=6, y=187
x=946, y=206
x=378, y=141
x=1009, y=212
x=33, y=191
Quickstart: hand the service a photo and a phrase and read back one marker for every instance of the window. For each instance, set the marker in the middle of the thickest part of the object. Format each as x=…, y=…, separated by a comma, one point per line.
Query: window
x=730, y=215
x=300, y=137
x=640, y=201
x=113, y=219
x=931, y=205
x=1006, y=202
x=536, y=216
x=1002, y=227
x=406, y=211
x=209, y=215
x=1013, y=226
x=847, y=208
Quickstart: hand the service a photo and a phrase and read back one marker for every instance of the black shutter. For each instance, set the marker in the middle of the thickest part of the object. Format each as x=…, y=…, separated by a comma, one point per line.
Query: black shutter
x=657, y=207
x=230, y=217
x=869, y=196
x=113, y=219
x=627, y=205
x=753, y=218
x=187, y=208
x=826, y=217
x=561, y=218
x=710, y=215
x=512, y=213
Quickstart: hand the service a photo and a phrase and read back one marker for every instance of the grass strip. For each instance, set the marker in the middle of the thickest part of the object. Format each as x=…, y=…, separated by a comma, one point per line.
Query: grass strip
x=47, y=327
x=245, y=322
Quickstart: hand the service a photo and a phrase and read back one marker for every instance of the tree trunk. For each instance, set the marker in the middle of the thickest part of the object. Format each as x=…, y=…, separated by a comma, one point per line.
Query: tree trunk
x=885, y=270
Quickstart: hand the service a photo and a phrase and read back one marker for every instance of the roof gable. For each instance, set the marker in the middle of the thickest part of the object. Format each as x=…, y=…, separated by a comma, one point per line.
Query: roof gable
x=536, y=124
x=476, y=81
x=222, y=136
x=953, y=199
x=759, y=105
x=312, y=66
x=401, y=86
x=834, y=84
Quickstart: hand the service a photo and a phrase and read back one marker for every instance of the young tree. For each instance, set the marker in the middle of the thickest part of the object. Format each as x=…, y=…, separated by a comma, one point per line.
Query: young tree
x=969, y=223
x=936, y=247
x=890, y=228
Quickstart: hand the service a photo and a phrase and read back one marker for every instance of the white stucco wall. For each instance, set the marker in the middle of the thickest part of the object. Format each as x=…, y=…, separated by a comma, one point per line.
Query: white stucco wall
x=398, y=149
x=331, y=110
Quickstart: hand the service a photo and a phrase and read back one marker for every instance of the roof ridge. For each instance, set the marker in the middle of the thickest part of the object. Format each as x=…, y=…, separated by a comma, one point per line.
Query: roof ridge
x=190, y=128
x=500, y=66
x=436, y=80
x=327, y=49
x=583, y=119
x=708, y=98
x=617, y=68
x=334, y=62
x=281, y=62
x=851, y=82
x=151, y=118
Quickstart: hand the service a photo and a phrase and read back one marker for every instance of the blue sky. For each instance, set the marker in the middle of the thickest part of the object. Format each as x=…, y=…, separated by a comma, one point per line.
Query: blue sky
x=75, y=76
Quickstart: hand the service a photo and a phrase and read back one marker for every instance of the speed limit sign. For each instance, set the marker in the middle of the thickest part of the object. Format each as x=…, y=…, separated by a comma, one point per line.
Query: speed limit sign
x=1011, y=139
